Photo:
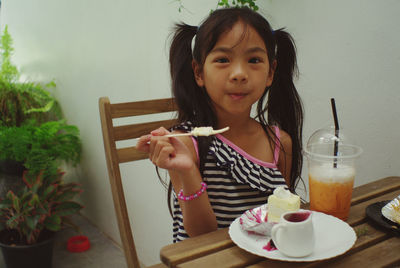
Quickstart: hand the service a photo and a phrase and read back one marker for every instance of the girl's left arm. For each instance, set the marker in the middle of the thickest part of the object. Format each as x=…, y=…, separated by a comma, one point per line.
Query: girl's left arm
x=285, y=156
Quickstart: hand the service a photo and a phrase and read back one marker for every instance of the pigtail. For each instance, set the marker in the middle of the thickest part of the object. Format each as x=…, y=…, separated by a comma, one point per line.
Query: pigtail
x=182, y=76
x=284, y=105
x=193, y=102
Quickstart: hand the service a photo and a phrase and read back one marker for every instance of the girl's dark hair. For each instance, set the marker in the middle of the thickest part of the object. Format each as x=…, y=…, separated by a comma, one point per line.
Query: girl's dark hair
x=283, y=105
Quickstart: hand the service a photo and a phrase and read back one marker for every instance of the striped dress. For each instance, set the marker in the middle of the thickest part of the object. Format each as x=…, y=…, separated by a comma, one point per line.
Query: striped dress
x=236, y=181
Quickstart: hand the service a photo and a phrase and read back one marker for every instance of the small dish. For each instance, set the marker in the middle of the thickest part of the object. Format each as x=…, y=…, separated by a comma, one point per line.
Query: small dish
x=391, y=210
x=374, y=213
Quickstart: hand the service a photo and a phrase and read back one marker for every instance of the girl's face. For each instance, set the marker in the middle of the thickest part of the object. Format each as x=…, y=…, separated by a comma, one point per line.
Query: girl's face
x=236, y=71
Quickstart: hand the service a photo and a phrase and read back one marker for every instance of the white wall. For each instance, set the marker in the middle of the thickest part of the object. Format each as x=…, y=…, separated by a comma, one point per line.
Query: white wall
x=349, y=50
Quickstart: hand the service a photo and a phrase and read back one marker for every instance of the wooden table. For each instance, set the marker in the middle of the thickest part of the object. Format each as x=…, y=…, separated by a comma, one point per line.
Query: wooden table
x=375, y=248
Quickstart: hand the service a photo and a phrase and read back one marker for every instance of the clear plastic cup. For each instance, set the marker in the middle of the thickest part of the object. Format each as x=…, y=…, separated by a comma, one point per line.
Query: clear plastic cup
x=331, y=171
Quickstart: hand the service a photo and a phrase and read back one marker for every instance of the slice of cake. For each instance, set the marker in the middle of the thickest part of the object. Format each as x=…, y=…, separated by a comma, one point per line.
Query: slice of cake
x=281, y=201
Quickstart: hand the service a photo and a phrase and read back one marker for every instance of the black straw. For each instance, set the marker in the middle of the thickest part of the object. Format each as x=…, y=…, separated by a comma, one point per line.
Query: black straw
x=335, y=149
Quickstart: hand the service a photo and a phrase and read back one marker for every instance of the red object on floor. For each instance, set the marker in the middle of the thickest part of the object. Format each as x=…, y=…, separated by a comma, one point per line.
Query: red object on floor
x=78, y=243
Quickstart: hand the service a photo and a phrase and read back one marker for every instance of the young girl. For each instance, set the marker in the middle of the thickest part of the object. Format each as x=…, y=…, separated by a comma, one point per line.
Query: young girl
x=236, y=60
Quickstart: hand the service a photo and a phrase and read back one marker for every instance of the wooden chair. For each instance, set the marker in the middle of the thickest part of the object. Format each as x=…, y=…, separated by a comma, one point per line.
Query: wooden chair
x=114, y=156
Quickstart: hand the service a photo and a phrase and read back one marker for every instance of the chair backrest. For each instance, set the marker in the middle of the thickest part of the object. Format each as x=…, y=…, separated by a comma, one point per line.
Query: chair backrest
x=115, y=156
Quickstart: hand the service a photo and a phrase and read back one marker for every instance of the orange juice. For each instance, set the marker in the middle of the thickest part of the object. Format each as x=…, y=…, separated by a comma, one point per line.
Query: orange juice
x=331, y=189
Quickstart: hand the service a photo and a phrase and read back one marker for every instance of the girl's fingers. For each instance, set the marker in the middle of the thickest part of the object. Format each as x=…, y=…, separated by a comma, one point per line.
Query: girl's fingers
x=143, y=143
x=156, y=146
x=155, y=151
x=164, y=157
x=161, y=131
x=159, y=148
x=154, y=137
x=154, y=140
x=149, y=144
x=168, y=153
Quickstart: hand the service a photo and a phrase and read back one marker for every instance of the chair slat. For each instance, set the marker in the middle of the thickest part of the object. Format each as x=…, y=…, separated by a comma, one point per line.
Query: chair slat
x=130, y=154
x=136, y=130
x=142, y=107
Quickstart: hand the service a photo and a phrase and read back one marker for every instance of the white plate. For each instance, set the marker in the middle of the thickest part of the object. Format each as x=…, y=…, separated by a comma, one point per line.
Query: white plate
x=333, y=237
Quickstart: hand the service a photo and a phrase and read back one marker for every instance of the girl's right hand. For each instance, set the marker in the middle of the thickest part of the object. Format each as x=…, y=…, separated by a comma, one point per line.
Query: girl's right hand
x=167, y=153
x=176, y=155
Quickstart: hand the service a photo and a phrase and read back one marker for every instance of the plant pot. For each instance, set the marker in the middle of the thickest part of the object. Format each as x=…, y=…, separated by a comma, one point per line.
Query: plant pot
x=10, y=176
x=39, y=255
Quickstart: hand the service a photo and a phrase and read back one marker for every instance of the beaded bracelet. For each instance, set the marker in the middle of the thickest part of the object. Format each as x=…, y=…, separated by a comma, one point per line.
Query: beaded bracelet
x=193, y=196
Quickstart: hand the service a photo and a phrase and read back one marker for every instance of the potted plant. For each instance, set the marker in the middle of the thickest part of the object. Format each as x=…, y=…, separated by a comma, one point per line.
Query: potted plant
x=34, y=141
x=32, y=216
x=227, y=3
x=21, y=103
x=33, y=133
x=41, y=147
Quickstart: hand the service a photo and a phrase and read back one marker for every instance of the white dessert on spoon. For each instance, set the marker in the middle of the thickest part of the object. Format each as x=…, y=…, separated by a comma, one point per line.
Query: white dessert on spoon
x=199, y=131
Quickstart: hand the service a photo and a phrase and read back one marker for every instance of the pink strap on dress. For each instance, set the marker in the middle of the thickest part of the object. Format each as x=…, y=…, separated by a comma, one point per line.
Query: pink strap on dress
x=277, y=145
x=276, y=151
x=196, y=147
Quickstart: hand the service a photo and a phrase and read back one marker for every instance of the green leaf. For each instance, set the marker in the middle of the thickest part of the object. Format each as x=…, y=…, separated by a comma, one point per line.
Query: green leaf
x=32, y=236
x=35, y=187
x=25, y=195
x=13, y=221
x=43, y=109
x=41, y=210
x=48, y=191
x=51, y=84
x=53, y=223
x=67, y=208
x=10, y=195
x=34, y=201
x=67, y=195
x=32, y=221
x=16, y=203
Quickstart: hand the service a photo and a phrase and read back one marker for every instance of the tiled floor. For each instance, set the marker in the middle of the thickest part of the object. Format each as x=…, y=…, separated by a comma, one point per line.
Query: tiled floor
x=103, y=253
